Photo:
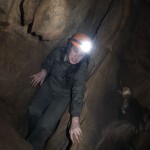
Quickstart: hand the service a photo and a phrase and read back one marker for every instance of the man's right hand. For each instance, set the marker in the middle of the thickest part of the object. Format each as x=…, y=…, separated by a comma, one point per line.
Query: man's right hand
x=38, y=78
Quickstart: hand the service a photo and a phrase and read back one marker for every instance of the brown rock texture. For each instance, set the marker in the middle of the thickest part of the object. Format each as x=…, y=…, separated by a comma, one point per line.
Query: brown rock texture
x=30, y=29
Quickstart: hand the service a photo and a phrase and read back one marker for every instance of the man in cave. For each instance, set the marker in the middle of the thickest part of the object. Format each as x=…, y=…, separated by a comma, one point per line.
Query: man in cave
x=62, y=79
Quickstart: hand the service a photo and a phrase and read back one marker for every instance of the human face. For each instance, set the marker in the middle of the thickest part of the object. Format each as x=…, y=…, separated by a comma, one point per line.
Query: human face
x=75, y=55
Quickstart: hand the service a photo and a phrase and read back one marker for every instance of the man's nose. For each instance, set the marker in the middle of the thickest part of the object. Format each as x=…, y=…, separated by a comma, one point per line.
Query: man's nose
x=76, y=56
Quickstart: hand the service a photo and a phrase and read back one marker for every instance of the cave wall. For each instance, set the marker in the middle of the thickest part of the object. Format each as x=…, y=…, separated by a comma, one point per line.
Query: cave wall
x=135, y=65
x=136, y=61
x=30, y=29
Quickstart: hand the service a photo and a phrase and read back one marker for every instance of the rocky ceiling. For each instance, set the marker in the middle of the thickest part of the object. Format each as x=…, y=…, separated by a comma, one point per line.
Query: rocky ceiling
x=30, y=29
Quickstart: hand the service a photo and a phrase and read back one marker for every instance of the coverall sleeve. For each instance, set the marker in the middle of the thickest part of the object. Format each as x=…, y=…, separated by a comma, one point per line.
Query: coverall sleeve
x=48, y=62
x=78, y=90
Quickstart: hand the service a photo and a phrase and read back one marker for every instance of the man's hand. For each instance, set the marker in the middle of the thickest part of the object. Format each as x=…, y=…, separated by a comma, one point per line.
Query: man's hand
x=38, y=78
x=75, y=130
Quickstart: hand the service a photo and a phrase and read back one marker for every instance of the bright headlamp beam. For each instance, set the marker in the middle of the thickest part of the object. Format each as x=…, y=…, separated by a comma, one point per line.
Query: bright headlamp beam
x=86, y=46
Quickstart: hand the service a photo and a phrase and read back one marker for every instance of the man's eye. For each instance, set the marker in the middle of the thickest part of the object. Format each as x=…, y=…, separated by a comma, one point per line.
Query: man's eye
x=82, y=55
x=76, y=50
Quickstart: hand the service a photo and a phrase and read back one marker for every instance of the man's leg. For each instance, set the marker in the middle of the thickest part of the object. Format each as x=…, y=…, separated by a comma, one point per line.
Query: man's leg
x=38, y=105
x=47, y=124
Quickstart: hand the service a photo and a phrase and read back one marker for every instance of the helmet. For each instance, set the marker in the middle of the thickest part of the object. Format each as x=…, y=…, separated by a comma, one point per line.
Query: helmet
x=82, y=42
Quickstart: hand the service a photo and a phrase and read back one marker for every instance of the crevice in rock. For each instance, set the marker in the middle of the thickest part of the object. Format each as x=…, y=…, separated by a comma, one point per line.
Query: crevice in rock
x=39, y=36
x=86, y=16
x=29, y=28
x=95, y=33
x=29, y=31
x=107, y=10
x=22, y=13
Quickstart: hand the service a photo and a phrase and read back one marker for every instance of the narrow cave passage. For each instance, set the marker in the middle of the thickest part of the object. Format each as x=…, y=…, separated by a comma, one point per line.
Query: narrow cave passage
x=116, y=107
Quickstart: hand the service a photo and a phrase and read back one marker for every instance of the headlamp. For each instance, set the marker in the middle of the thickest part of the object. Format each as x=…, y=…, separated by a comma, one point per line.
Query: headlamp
x=86, y=46
x=82, y=42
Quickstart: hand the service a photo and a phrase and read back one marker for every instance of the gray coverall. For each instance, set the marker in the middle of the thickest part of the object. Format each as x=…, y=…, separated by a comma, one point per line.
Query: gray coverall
x=53, y=97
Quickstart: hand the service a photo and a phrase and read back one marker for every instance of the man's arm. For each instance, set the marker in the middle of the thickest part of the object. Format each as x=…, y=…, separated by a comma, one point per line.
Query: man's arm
x=78, y=90
x=45, y=69
x=77, y=103
x=48, y=61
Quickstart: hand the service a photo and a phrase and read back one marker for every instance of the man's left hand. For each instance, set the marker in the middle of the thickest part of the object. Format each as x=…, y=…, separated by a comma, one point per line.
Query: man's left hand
x=75, y=130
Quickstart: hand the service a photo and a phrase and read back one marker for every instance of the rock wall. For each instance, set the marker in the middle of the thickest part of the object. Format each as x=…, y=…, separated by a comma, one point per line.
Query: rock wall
x=135, y=64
